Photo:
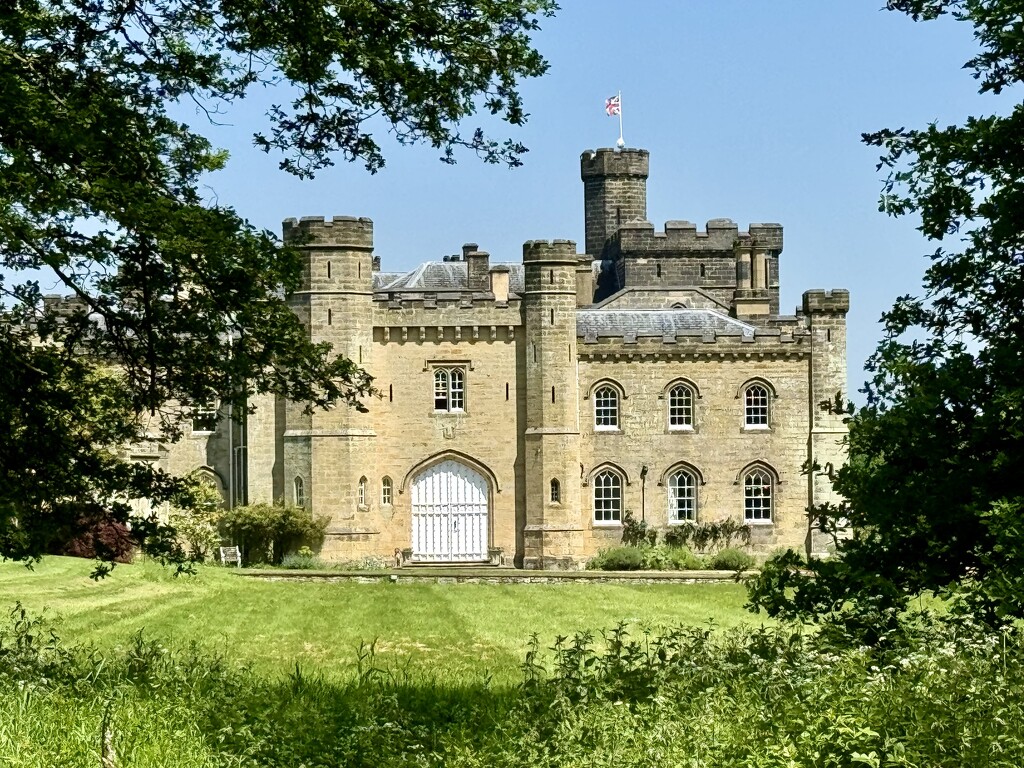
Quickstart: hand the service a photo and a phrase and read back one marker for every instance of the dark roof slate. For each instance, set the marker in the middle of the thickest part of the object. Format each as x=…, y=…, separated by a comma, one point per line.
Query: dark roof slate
x=439, y=276
x=656, y=322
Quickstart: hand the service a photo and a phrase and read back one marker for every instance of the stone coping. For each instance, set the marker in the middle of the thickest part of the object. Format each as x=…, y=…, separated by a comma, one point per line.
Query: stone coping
x=483, y=575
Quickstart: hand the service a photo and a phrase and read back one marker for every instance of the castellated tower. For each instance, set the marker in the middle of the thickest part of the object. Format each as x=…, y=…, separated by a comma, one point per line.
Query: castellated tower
x=825, y=313
x=614, y=192
x=327, y=452
x=553, y=534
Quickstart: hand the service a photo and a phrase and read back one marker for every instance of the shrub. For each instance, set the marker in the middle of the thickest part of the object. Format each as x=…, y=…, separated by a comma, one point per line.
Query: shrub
x=96, y=536
x=618, y=559
x=732, y=559
x=663, y=558
x=635, y=532
x=264, y=532
x=708, y=536
x=196, y=517
x=302, y=561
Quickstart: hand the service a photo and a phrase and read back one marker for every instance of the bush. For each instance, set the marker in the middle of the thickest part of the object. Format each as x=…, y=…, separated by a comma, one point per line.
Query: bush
x=732, y=560
x=618, y=559
x=302, y=561
x=196, y=517
x=264, y=532
x=95, y=536
x=636, y=533
x=708, y=536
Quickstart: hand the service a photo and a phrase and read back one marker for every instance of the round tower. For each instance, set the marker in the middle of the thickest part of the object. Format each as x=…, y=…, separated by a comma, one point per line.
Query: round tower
x=329, y=450
x=614, y=192
x=554, y=530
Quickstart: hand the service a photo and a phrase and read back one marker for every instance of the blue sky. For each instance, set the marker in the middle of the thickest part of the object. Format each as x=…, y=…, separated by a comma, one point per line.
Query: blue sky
x=751, y=111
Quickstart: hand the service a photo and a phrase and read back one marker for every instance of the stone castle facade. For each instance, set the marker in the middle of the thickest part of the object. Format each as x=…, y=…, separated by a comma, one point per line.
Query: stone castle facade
x=525, y=407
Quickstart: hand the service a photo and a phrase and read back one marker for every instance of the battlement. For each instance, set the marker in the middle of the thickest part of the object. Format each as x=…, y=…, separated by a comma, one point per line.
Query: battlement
x=550, y=250
x=818, y=301
x=718, y=235
x=339, y=231
x=614, y=162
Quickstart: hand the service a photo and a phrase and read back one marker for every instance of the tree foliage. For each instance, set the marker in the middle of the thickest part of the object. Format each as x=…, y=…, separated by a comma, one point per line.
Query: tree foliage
x=933, y=489
x=178, y=301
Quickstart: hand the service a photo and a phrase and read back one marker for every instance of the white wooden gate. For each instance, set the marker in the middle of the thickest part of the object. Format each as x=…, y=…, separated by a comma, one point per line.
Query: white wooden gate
x=449, y=514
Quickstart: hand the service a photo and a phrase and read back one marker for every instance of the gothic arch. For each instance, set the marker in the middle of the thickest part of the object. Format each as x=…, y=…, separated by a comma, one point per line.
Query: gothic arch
x=758, y=464
x=607, y=465
x=672, y=469
x=759, y=380
x=606, y=382
x=676, y=382
x=462, y=458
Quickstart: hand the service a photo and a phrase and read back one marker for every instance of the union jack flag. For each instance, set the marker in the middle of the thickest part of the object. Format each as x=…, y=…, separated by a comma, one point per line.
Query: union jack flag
x=613, y=106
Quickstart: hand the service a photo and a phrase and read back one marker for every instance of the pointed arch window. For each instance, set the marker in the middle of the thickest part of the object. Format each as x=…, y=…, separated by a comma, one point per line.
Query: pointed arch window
x=755, y=407
x=606, y=408
x=758, y=492
x=361, y=495
x=680, y=407
x=556, y=492
x=299, y=489
x=682, y=497
x=387, y=492
x=607, y=498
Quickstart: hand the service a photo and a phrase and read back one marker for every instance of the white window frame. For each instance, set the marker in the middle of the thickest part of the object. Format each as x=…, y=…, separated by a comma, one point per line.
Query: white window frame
x=758, y=497
x=209, y=410
x=686, y=492
x=299, y=491
x=450, y=390
x=756, y=406
x=607, y=416
x=361, y=492
x=607, y=497
x=681, y=414
x=387, y=492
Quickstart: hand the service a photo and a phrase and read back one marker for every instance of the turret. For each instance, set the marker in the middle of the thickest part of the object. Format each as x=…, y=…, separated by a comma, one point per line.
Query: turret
x=614, y=192
x=825, y=313
x=335, y=303
x=554, y=530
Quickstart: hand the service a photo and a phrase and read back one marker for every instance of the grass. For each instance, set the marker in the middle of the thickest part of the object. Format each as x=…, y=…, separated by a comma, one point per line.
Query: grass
x=446, y=631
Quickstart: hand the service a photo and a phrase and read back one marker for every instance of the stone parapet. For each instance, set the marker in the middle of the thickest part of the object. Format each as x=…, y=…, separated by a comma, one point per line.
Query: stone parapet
x=819, y=302
x=614, y=162
x=348, y=232
x=683, y=236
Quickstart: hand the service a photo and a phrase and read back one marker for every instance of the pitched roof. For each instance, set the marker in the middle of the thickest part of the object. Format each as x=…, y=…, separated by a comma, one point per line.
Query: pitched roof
x=438, y=276
x=657, y=322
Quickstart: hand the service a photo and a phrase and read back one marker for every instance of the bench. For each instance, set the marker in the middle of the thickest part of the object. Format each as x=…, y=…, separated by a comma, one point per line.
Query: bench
x=230, y=555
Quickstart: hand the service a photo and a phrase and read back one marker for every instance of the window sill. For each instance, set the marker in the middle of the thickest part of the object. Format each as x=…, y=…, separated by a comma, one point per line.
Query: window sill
x=607, y=430
x=683, y=428
x=682, y=522
x=759, y=523
x=757, y=428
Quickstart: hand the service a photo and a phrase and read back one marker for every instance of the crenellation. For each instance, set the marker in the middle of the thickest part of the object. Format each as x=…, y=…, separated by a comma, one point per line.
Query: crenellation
x=489, y=378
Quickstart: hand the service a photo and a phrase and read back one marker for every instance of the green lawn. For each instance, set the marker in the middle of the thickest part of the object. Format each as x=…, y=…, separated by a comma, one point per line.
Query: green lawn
x=454, y=631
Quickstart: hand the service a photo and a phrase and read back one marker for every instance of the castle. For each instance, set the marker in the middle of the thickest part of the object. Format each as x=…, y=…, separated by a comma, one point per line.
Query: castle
x=524, y=408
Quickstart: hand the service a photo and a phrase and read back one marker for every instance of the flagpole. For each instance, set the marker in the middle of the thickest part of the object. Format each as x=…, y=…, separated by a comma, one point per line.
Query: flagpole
x=621, y=143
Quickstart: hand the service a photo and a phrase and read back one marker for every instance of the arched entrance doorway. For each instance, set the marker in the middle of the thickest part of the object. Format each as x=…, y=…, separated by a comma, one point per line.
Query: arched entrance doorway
x=449, y=514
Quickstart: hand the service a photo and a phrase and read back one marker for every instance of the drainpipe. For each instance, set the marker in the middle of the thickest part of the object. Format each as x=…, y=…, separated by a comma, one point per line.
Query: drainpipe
x=643, y=492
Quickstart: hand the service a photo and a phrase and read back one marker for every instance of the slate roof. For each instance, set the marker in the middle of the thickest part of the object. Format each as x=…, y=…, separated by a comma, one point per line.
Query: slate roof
x=380, y=279
x=656, y=322
x=438, y=276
